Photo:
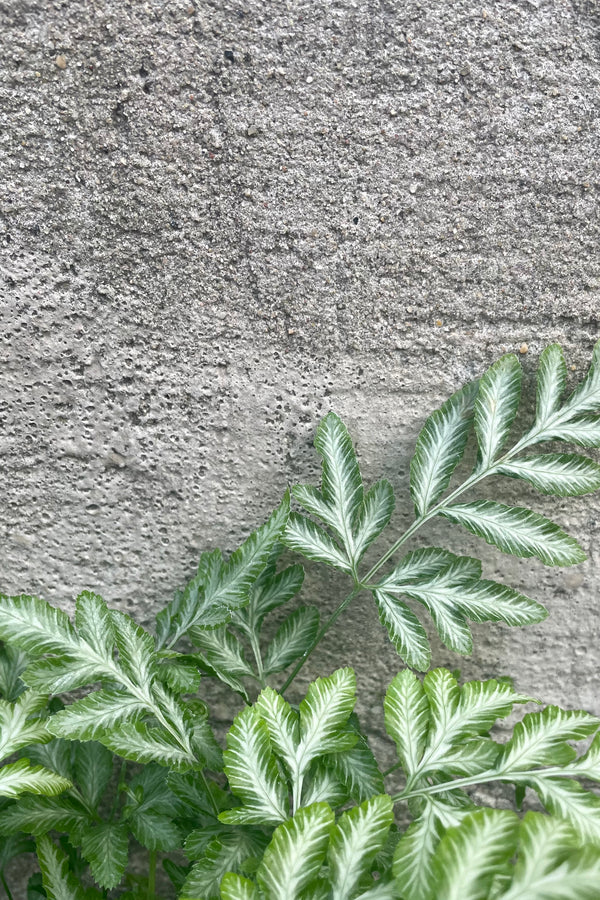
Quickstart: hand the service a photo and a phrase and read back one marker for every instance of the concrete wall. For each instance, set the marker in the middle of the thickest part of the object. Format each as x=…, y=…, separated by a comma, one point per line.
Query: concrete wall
x=222, y=219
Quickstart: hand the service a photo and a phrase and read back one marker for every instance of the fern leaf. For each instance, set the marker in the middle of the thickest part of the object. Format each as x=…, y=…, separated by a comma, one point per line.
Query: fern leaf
x=539, y=739
x=374, y=514
x=35, y=626
x=404, y=629
x=323, y=713
x=93, y=770
x=59, y=883
x=496, y=407
x=341, y=481
x=273, y=592
x=225, y=854
x=19, y=777
x=311, y=541
x=105, y=848
x=38, y=815
x=549, y=866
x=358, y=836
x=293, y=638
x=473, y=853
x=407, y=718
x=282, y=722
x=296, y=852
x=562, y=474
x=516, y=530
x=440, y=447
x=95, y=715
x=551, y=383
x=567, y=800
x=17, y=727
x=583, y=431
x=252, y=772
x=234, y=887
x=586, y=397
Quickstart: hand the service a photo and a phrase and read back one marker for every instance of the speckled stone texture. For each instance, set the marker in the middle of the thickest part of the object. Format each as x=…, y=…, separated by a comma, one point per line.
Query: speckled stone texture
x=221, y=219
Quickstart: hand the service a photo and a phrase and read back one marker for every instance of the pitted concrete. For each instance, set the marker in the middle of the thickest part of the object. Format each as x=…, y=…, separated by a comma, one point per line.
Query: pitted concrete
x=220, y=220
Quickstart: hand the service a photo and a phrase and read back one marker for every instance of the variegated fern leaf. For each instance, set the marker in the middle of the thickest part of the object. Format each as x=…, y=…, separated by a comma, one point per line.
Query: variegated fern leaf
x=449, y=587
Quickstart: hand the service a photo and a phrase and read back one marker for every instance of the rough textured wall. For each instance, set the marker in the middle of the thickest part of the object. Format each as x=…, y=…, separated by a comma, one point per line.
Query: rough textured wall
x=221, y=219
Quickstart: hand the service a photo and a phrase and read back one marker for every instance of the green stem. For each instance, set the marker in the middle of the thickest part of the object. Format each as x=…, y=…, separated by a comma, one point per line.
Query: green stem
x=204, y=781
x=482, y=778
x=323, y=631
x=120, y=787
x=5, y=886
x=151, y=893
x=255, y=644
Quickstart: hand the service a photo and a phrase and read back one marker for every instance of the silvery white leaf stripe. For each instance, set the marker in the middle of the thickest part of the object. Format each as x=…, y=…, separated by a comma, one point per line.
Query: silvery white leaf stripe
x=496, y=407
x=292, y=638
x=404, y=629
x=440, y=447
x=303, y=535
x=19, y=777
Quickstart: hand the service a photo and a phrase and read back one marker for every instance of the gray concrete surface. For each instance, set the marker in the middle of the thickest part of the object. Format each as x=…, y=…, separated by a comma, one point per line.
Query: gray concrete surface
x=221, y=219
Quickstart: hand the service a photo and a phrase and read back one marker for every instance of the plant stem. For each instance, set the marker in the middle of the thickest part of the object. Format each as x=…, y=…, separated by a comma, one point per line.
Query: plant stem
x=151, y=893
x=204, y=781
x=120, y=786
x=482, y=778
x=5, y=886
x=323, y=631
x=260, y=672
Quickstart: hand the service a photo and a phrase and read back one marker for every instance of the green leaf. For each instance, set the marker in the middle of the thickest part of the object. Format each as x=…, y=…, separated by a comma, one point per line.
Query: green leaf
x=58, y=881
x=323, y=785
x=414, y=855
x=17, y=727
x=282, y=722
x=551, y=383
x=539, y=739
x=404, y=629
x=13, y=662
x=223, y=855
x=155, y=831
x=179, y=672
x=136, y=649
x=586, y=397
x=423, y=563
x=356, y=767
x=105, y=848
x=583, y=431
x=231, y=587
x=272, y=592
x=548, y=865
x=407, y=718
x=140, y=743
x=588, y=765
x=37, y=815
x=35, y=626
x=56, y=755
x=355, y=841
x=223, y=651
x=516, y=530
x=55, y=675
x=93, y=770
x=496, y=407
x=562, y=474
x=302, y=535
x=341, y=482
x=375, y=513
x=94, y=623
x=93, y=716
x=323, y=713
x=471, y=854
x=14, y=846
x=440, y=446
x=19, y=777
x=293, y=638
x=234, y=887
x=296, y=852
x=567, y=800
x=252, y=772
